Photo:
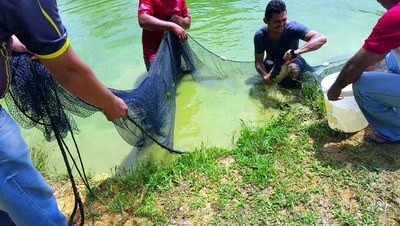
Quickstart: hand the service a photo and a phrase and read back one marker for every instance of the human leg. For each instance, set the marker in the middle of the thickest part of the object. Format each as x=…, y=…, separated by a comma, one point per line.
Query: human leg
x=294, y=71
x=378, y=96
x=24, y=194
x=291, y=81
x=148, y=64
x=303, y=65
x=298, y=67
x=295, y=75
x=392, y=64
x=268, y=64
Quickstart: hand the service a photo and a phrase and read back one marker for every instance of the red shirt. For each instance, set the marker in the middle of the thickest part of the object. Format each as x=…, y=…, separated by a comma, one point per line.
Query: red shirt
x=163, y=10
x=386, y=34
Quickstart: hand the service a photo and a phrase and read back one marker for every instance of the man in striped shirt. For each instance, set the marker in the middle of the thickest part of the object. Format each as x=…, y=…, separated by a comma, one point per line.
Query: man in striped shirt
x=25, y=198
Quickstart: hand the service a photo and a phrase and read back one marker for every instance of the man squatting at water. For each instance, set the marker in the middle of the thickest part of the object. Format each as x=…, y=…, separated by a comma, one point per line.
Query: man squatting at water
x=280, y=40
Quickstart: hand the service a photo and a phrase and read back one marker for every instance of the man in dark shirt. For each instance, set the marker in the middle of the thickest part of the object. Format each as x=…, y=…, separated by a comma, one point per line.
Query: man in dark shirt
x=280, y=40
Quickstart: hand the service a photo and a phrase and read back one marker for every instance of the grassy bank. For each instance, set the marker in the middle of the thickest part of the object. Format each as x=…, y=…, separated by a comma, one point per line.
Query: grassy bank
x=293, y=170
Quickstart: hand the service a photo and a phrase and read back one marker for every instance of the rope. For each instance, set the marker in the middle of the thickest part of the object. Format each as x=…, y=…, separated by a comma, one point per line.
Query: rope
x=61, y=144
x=154, y=140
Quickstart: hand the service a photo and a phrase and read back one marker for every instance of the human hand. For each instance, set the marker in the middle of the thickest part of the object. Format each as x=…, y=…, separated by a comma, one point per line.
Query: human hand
x=266, y=80
x=17, y=45
x=180, y=33
x=176, y=19
x=290, y=56
x=117, y=109
x=334, y=92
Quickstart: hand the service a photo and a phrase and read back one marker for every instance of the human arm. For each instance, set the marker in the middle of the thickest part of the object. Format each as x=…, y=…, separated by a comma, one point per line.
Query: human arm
x=384, y=37
x=259, y=51
x=182, y=18
x=314, y=40
x=43, y=34
x=152, y=23
x=17, y=46
x=352, y=70
x=76, y=77
x=181, y=21
x=260, y=67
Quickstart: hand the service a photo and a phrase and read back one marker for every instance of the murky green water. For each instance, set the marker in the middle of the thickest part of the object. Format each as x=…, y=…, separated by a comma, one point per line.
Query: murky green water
x=107, y=36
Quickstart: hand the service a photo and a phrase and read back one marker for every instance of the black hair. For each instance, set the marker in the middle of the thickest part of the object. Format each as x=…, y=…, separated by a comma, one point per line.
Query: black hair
x=274, y=6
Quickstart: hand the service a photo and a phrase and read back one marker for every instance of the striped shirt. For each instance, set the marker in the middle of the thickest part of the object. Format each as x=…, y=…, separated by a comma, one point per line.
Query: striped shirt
x=37, y=25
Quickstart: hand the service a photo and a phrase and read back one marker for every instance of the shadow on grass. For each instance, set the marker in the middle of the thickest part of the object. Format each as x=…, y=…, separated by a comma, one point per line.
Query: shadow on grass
x=340, y=150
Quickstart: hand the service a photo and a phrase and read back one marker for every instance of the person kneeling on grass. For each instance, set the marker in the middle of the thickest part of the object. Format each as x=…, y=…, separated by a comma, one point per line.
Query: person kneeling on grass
x=377, y=93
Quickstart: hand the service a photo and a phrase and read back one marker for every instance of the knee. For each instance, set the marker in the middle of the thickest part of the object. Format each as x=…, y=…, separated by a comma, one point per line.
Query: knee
x=359, y=86
x=391, y=64
x=304, y=66
x=360, y=83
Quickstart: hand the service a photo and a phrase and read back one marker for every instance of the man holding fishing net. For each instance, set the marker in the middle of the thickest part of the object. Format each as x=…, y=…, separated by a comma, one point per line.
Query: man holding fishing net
x=280, y=40
x=25, y=198
x=377, y=93
x=157, y=16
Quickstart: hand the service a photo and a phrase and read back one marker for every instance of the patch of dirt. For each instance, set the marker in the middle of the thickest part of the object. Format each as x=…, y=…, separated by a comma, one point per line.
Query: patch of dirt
x=339, y=151
x=228, y=161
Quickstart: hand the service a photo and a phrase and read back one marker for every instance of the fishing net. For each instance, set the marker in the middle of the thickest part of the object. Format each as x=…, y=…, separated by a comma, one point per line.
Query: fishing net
x=35, y=100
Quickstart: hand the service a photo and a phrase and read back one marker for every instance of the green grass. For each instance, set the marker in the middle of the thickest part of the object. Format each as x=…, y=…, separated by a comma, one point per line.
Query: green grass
x=275, y=175
x=294, y=170
x=40, y=157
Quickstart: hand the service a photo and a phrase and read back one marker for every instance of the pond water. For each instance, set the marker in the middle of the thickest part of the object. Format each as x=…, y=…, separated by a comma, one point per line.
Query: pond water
x=107, y=36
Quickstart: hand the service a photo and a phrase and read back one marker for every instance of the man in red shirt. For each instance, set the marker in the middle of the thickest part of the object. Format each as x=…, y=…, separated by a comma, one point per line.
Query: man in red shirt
x=377, y=93
x=157, y=16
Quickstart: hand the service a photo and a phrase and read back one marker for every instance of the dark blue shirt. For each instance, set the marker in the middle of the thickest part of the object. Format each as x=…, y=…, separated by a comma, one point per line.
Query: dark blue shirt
x=37, y=25
x=276, y=49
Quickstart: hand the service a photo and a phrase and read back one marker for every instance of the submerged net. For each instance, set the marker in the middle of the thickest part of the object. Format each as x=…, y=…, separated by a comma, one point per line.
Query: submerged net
x=36, y=100
x=151, y=104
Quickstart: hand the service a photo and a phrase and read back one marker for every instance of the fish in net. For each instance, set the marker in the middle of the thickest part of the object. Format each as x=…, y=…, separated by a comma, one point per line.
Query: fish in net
x=151, y=105
x=36, y=100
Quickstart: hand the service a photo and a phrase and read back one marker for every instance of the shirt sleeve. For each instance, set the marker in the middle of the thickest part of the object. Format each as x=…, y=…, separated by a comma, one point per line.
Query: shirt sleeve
x=386, y=34
x=185, y=11
x=38, y=26
x=299, y=30
x=145, y=7
x=258, y=45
